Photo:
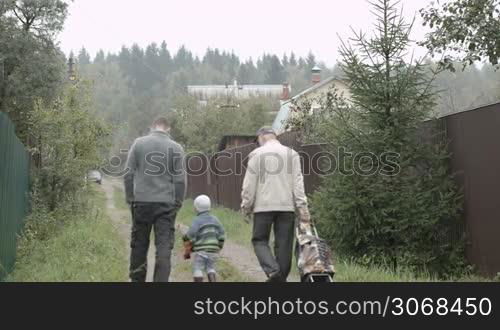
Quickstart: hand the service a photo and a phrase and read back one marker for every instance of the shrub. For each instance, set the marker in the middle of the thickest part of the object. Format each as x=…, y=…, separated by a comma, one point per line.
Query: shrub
x=71, y=141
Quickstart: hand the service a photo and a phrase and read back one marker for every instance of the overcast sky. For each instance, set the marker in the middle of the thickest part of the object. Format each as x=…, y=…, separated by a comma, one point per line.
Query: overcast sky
x=249, y=27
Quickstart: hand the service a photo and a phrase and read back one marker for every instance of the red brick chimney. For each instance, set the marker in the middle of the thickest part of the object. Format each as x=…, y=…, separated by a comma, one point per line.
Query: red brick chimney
x=286, y=92
x=316, y=75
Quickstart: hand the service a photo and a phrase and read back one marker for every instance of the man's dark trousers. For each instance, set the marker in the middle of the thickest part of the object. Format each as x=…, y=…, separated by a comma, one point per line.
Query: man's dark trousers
x=284, y=226
x=146, y=216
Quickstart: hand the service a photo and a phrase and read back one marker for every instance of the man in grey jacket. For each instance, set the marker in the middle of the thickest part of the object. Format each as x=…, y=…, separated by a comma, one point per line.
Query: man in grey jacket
x=273, y=190
x=155, y=185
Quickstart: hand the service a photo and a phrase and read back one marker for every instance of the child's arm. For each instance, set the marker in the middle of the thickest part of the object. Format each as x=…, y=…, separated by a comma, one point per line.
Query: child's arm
x=192, y=232
x=189, y=238
x=222, y=236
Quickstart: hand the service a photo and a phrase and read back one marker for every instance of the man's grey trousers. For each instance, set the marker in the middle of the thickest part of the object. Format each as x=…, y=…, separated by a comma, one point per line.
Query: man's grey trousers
x=283, y=224
x=161, y=218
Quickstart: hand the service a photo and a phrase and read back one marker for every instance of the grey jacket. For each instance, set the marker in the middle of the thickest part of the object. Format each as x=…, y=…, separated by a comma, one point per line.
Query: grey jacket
x=155, y=170
x=274, y=180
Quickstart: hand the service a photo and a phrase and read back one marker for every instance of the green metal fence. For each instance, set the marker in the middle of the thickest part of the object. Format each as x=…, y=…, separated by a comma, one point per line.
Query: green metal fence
x=14, y=198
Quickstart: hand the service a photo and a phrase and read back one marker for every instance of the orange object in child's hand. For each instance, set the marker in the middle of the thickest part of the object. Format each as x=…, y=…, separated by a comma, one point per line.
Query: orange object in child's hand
x=188, y=249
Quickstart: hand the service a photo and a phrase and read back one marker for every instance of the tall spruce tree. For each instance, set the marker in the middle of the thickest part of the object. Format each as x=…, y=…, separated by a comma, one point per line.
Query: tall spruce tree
x=392, y=200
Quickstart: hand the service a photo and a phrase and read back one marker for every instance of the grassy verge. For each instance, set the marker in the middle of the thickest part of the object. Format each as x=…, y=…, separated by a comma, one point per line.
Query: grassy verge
x=352, y=272
x=78, y=247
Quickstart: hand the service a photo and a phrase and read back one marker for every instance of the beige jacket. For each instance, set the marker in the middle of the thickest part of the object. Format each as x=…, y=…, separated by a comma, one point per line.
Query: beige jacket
x=273, y=181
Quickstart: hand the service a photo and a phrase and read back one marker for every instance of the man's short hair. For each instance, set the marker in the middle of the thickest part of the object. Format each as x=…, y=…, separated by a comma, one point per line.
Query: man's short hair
x=161, y=121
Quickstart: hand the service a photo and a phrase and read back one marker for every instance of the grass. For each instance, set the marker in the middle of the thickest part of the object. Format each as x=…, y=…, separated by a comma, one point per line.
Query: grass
x=119, y=199
x=352, y=272
x=85, y=248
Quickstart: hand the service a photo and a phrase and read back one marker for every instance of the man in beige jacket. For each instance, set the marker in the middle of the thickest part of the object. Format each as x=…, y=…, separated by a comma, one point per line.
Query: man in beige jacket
x=273, y=190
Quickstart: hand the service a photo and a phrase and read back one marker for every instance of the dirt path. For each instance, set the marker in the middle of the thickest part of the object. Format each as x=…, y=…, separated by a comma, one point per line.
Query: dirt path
x=244, y=260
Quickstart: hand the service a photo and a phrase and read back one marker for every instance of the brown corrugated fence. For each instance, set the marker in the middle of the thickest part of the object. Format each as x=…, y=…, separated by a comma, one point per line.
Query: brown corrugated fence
x=475, y=147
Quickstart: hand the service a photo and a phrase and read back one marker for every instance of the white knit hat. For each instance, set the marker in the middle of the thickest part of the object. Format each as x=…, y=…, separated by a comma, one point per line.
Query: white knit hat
x=202, y=203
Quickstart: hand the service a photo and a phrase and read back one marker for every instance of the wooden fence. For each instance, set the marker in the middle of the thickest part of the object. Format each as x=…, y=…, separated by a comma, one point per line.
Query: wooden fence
x=221, y=175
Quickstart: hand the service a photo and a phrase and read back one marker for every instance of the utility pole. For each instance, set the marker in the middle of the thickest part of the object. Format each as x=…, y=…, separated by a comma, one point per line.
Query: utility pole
x=231, y=95
x=2, y=70
x=71, y=69
x=72, y=77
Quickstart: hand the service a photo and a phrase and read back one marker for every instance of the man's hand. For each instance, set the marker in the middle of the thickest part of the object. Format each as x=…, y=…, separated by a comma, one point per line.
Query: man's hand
x=304, y=215
x=305, y=221
x=305, y=228
x=247, y=214
x=131, y=206
x=178, y=204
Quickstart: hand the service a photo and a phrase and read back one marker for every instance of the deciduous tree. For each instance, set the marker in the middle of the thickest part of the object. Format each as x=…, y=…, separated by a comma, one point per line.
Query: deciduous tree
x=464, y=30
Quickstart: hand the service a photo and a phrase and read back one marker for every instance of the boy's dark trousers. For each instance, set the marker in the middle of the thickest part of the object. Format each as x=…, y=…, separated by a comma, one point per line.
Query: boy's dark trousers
x=145, y=217
x=284, y=226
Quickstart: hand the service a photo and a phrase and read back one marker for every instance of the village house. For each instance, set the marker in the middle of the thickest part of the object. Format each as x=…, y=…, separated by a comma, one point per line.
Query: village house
x=317, y=90
x=235, y=91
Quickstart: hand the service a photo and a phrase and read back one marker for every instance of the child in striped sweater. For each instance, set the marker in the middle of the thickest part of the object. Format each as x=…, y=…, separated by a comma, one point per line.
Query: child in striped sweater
x=205, y=238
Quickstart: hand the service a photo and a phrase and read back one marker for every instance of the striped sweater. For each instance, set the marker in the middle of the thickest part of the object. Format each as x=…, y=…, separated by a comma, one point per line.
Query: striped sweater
x=206, y=233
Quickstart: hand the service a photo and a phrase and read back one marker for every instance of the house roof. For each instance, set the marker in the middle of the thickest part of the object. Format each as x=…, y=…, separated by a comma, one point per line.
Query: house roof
x=315, y=87
x=240, y=91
